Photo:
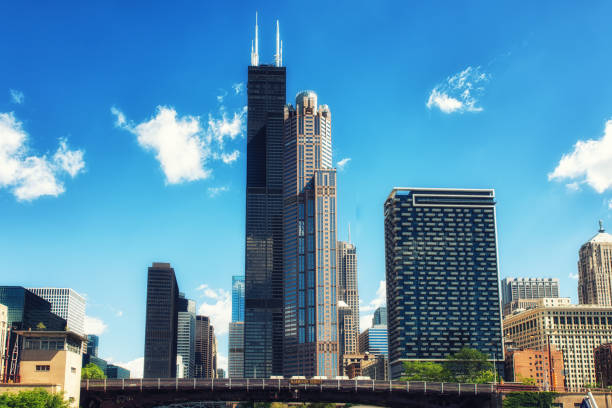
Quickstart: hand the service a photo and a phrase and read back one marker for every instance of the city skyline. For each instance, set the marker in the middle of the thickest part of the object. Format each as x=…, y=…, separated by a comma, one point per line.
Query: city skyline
x=121, y=204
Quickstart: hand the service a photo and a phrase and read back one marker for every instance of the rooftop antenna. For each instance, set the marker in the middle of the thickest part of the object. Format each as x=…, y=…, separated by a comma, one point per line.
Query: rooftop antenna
x=281, y=54
x=277, y=56
x=255, y=52
x=601, y=228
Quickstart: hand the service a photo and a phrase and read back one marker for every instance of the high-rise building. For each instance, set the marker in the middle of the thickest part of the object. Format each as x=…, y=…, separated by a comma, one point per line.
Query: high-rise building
x=347, y=281
x=93, y=341
x=205, y=348
x=528, y=288
x=595, y=270
x=67, y=304
x=220, y=373
x=517, y=306
x=544, y=367
x=114, y=371
x=3, y=339
x=442, y=275
x=236, y=350
x=575, y=330
x=347, y=341
x=161, y=322
x=603, y=365
x=380, y=316
x=263, y=329
x=26, y=310
x=185, y=339
x=373, y=340
x=237, y=298
x=309, y=223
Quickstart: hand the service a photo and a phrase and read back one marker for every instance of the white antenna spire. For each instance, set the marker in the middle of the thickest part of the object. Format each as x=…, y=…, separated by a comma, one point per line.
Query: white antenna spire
x=255, y=53
x=277, y=56
x=281, y=54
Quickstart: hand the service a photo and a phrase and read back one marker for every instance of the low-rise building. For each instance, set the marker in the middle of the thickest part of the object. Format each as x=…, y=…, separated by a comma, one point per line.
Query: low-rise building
x=603, y=364
x=545, y=367
x=115, y=371
x=519, y=305
x=52, y=358
x=376, y=367
x=3, y=339
x=575, y=330
x=374, y=340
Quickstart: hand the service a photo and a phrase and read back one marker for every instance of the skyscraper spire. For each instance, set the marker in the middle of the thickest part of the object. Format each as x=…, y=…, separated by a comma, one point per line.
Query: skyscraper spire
x=281, y=56
x=277, y=56
x=255, y=52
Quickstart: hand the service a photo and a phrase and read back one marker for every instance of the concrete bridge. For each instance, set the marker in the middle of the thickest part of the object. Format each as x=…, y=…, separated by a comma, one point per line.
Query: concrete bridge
x=148, y=392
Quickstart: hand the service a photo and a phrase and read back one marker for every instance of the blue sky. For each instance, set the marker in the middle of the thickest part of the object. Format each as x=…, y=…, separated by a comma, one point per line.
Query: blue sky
x=122, y=135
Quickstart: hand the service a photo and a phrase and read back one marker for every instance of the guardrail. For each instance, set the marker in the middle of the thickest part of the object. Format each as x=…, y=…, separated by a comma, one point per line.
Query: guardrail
x=255, y=384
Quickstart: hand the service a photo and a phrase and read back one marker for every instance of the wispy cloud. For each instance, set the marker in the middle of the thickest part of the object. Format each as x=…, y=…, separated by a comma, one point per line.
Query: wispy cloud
x=342, y=163
x=221, y=96
x=215, y=191
x=17, y=96
x=590, y=162
x=185, y=145
x=94, y=325
x=366, y=311
x=238, y=88
x=459, y=92
x=217, y=305
x=135, y=366
x=573, y=275
x=29, y=176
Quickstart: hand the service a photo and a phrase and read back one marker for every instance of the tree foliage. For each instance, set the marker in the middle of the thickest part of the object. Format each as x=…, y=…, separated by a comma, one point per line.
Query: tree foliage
x=92, y=372
x=526, y=380
x=529, y=399
x=37, y=398
x=466, y=366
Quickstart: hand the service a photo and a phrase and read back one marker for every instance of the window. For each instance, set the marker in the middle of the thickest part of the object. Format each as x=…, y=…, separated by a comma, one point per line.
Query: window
x=43, y=368
x=73, y=370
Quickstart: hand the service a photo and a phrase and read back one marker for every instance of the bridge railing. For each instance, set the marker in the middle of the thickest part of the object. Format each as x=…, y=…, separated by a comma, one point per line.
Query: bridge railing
x=253, y=384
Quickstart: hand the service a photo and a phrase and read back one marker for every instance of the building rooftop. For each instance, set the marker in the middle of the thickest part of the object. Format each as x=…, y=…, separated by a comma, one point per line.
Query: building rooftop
x=602, y=235
x=50, y=333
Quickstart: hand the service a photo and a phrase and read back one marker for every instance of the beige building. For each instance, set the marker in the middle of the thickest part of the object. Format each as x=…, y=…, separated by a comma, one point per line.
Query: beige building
x=3, y=338
x=520, y=305
x=575, y=330
x=595, y=270
x=52, y=358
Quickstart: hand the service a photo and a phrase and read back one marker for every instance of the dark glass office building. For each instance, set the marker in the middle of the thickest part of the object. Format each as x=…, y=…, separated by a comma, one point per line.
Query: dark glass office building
x=442, y=274
x=27, y=310
x=161, y=322
x=263, y=329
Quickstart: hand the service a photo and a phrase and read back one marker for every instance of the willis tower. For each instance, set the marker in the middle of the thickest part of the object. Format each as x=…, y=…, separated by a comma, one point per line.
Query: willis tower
x=263, y=327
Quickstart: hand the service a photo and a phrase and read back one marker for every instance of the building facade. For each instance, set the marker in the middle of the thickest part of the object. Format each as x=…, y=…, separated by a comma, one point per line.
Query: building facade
x=575, y=330
x=67, y=304
x=237, y=298
x=517, y=306
x=205, y=348
x=442, y=275
x=310, y=257
x=236, y=350
x=26, y=310
x=528, y=288
x=93, y=341
x=603, y=365
x=116, y=372
x=347, y=280
x=4, y=333
x=380, y=316
x=185, y=338
x=347, y=341
x=545, y=367
x=161, y=322
x=374, y=340
x=595, y=270
x=263, y=329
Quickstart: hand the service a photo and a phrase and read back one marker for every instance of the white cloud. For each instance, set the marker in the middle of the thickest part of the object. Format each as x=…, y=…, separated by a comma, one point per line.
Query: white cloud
x=17, y=96
x=574, y=186
x=135, y=366
x=119, y=313
x=366, y=311
x=342, y=163
x=222, y=362
x=573, y=275
x=222, y=96
x=182, y=145
x=365, y=321
x=215, y=191
x=589, y=162
x=459, y=92
x=218, y=308
x=238, y=88
x=94, y=325
x=31, y=176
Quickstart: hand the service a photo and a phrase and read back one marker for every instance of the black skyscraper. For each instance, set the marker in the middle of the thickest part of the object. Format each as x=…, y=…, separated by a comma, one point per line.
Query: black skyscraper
x=161, y=323
x=263, y=332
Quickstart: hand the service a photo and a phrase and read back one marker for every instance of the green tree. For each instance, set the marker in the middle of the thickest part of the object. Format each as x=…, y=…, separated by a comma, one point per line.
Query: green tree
x=37, y=398
x=41, y=326
x=467, y=366
x=526, y=380
x=529, y=399
x=425, y=371
x=92, y=372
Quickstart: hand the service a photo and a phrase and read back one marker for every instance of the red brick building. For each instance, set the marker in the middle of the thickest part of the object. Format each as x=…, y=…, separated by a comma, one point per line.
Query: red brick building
x=528, y=363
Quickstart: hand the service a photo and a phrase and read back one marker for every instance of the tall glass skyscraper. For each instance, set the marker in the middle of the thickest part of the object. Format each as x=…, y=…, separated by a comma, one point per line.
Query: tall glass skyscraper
x=309, y=223
x=347, y=282
x=442, y=274
x=67, y=304
x=263, y=328
x=236, y=350
x=185, y=338
x=161, y=322
x=380, y=316
x=237, y=298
